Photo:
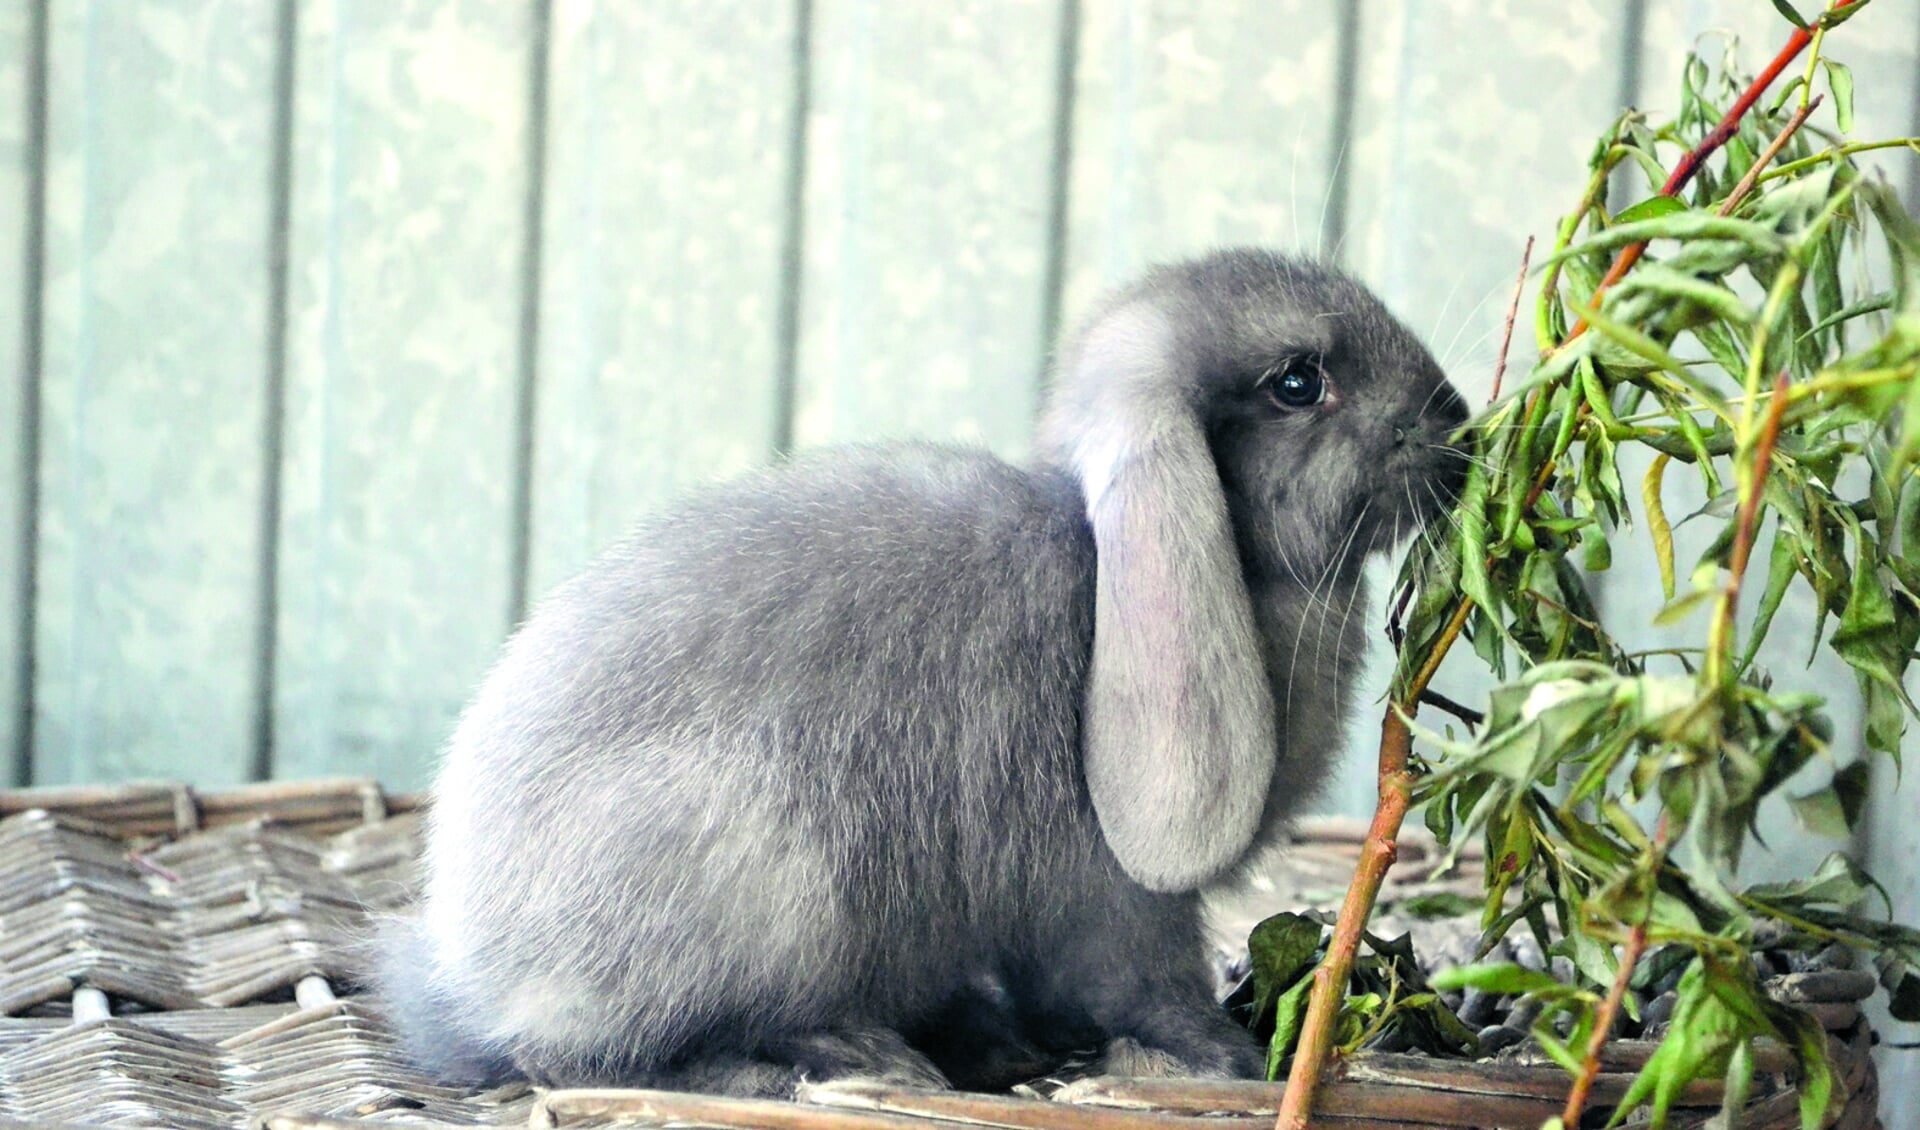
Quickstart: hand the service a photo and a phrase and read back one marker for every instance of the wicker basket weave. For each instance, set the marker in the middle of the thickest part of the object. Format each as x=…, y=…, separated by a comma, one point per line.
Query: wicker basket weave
x=176, y=958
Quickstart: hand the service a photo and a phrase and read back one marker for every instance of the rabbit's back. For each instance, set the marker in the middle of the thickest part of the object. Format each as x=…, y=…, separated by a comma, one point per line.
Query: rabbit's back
x=799, y=747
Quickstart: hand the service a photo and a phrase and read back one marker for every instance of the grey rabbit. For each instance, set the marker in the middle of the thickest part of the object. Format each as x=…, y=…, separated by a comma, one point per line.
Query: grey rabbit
x=903, y=761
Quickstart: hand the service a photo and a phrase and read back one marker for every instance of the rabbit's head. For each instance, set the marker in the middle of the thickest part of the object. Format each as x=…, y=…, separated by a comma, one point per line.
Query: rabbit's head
x=1245, y=422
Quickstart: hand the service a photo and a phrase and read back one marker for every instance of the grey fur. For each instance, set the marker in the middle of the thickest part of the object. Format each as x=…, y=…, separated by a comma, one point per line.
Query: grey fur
x=904, y=761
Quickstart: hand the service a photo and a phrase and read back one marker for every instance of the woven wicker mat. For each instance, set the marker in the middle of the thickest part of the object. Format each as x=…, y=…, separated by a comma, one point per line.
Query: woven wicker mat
x=181, y=959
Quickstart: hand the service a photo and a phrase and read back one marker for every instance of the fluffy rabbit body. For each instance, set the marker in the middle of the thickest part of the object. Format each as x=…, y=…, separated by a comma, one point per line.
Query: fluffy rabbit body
x=905, y=761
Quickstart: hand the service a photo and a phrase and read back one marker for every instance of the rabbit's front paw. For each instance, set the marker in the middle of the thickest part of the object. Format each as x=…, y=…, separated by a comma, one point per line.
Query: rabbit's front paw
x=1222, y=1052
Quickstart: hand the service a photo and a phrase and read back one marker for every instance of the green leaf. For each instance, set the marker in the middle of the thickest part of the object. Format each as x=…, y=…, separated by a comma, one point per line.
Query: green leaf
x=1556, y=1049
x=1652, y=207
x=1437, y=904
x=1816, y=1074
x=1794, y=17
x=1502, y=977
x=1688, y=225
x=1783, y=564
x=1886, y=717
x=1677, y=610
x=1289, y=1015
x=1666, y=286
x=1840, y=81
x=1719, y=1005
x=1837, y=882
x=1821, y=813
x=1902, y=233
x=1722, y=346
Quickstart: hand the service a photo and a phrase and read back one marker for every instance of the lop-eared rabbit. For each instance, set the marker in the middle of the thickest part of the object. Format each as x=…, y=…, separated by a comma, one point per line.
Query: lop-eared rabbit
x=906, y=762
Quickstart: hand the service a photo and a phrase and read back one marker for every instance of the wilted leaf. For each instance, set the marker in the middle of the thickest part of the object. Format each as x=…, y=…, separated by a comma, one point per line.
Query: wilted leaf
x=1282, y=949
x=1820, y=812
x=1658, y=528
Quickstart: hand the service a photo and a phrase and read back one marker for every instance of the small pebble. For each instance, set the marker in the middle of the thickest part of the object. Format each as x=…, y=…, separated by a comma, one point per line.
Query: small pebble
x=1825, y=986
x=1562, y=970
x=1479, y=1009
x=1525, y=1011
x=1666, y=985
x=1526, y=951
x=1659, y=1010
x=1835, y=956
x=1496, y=1038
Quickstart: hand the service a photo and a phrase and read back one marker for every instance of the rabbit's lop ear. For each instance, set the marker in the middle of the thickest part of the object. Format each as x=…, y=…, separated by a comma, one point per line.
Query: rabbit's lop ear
x=1178, y=731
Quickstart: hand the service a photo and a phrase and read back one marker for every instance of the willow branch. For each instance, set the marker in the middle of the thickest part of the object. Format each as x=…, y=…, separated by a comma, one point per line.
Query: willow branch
x=1752, y=178
x=1609, y=1011
x=1690, y=163
x=1330, y=978
x=1720, y=632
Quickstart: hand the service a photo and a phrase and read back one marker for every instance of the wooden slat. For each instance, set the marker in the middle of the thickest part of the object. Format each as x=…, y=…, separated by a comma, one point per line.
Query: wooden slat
x=930, y=152
x=155, y=321
x=673, y=1108
x=18, y=169
x=1197, y=125
x=405, y=300
x=661, y=288
x=1389, y=1088
x=998, y=1110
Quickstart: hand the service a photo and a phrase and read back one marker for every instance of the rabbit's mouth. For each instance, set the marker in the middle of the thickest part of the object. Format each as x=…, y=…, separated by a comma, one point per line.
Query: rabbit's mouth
x=1422, y=488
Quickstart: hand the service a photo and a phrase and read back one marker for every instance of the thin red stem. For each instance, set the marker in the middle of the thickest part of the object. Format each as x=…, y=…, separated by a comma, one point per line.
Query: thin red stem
x=1513, y=311
x=1609, y=1011
x=1690, y=162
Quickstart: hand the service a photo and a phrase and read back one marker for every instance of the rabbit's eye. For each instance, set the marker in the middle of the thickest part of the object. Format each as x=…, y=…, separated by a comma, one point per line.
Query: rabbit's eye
x=1297, y=384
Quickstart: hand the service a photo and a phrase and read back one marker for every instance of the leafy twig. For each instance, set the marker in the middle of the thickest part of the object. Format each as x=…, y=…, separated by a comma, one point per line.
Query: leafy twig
x=1395, y=781
x=1377, y=854
x=1752, y=178
x=1720, y=635
x=1690, y=163
x=1609, y=1010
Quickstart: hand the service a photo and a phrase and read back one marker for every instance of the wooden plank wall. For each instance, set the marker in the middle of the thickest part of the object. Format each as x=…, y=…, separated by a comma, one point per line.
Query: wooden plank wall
x=333, y=331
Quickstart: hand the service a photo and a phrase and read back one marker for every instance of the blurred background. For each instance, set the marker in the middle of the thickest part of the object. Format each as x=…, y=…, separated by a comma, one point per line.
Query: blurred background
x=334, y=332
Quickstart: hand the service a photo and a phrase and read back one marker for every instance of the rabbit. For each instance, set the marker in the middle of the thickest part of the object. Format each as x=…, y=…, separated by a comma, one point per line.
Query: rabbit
x=902, y=761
